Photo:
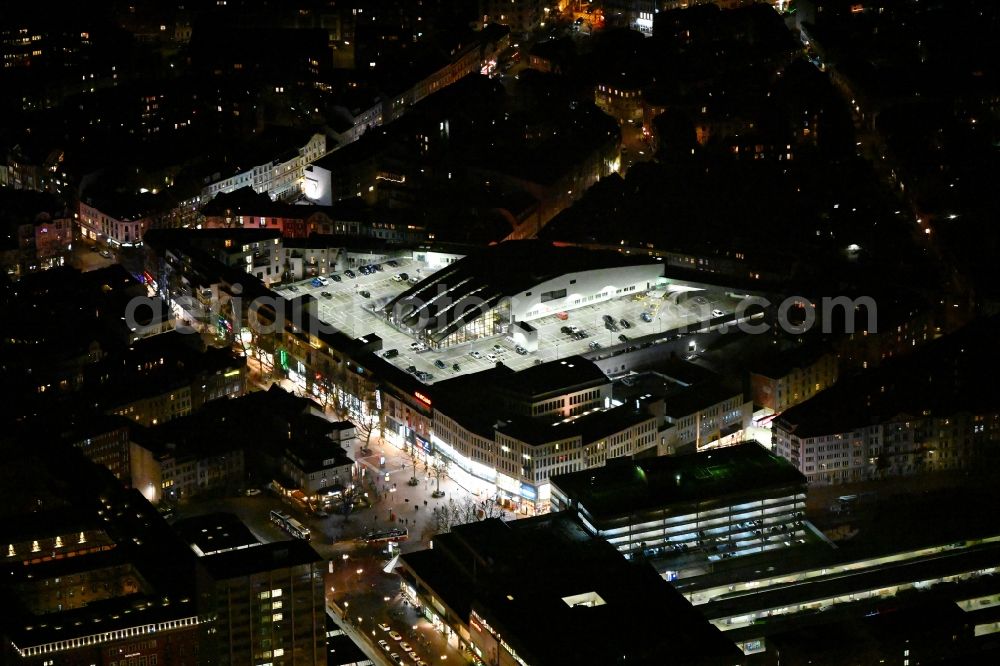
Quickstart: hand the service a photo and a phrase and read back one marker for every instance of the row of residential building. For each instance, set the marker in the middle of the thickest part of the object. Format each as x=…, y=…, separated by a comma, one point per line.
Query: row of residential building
x=86, y=588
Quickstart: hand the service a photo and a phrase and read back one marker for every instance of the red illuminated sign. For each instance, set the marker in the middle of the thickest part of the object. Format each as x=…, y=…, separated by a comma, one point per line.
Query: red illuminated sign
x=422, y=398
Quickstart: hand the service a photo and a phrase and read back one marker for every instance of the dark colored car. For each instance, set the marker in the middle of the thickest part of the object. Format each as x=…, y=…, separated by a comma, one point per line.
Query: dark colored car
x=335, y=278
x=625, y=323
x=595, y=345
x=520, y=350
x=412, y=370
x=456, y=367
x=378, y=267
x=393, y=263
x=326, y=294
x=646, y=317
x=439, y=364
x=611, y=326
x=622, y=338
x=293, y=288
x=365, y=294
x=350, y=274
x=608, y=319
x=567, y=330
x=404, y=277
x=390, y=353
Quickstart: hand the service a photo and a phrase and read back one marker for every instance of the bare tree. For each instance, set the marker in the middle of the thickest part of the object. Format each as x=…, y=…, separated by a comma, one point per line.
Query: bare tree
x=414, y=481
x=465, y=511
x=366, y=426
x=440, y=468
x=347, y=503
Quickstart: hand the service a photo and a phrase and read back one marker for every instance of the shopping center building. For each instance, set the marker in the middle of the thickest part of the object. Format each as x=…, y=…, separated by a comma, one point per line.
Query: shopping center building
x=514, y=430
x=486, y=292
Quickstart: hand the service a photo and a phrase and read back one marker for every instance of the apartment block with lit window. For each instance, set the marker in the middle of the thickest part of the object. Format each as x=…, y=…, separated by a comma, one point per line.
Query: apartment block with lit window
x=268, y=603
x=117, y=220
x=792, y=377
x=272, y=167
x=928, y=411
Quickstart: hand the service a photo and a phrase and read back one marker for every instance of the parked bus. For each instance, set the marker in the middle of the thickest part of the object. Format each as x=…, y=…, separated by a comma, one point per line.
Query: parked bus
x=290, y=525
x=384, y=536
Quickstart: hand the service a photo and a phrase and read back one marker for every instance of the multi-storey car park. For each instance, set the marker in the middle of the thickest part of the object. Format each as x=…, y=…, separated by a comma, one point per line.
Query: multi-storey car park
x=691, y=510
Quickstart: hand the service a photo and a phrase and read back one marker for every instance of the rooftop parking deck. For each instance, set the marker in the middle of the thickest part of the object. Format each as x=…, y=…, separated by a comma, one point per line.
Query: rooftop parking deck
x=348, y=309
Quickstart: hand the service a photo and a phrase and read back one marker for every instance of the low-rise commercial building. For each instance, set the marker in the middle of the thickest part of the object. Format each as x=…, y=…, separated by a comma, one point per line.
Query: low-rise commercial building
x=542, y=591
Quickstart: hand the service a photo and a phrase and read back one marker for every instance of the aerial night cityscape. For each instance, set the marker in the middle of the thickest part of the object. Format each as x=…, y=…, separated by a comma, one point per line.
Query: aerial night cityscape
x=500, y=333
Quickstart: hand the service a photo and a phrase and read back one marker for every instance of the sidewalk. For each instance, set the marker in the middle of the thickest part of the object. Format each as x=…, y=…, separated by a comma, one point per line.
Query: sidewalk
x=411, y=507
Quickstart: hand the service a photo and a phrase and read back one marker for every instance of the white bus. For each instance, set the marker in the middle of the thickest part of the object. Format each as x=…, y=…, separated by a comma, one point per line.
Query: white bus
x=290, y=525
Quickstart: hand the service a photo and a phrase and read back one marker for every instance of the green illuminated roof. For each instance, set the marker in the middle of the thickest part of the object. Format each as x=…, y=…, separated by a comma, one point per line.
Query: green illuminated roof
x=624, y=487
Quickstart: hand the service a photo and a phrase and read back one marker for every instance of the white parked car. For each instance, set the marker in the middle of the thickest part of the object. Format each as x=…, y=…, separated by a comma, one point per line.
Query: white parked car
x=491, y=357
x=475, y=354
x=718, y=313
